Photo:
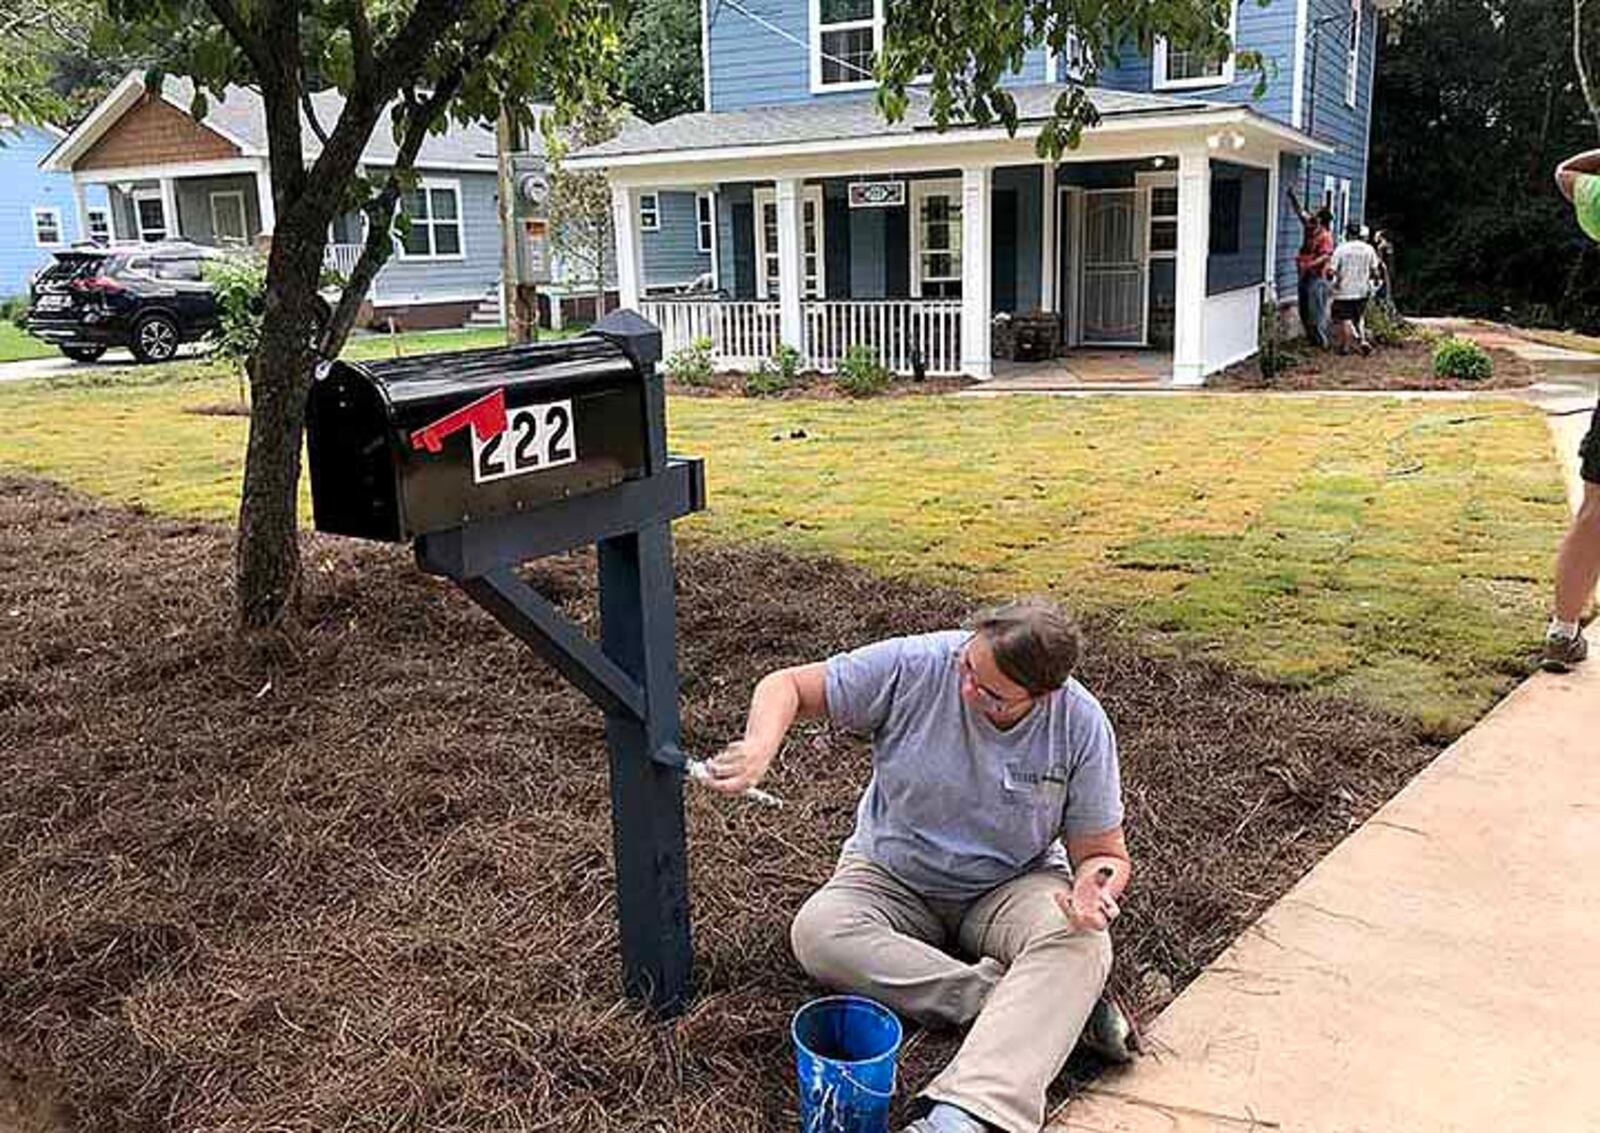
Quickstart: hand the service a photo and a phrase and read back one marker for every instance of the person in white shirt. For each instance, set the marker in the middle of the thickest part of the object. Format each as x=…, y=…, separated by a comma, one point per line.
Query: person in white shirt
x=1354, y=266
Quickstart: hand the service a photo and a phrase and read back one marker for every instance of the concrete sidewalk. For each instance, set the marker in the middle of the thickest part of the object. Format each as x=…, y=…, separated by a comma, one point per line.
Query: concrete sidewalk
x=1440, y=970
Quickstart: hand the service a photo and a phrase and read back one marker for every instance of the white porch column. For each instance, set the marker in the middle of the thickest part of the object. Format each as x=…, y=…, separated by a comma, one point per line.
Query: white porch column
x=976, y=186
x=264, y=203
x=169, y=208
x=791, y=264
x=1273, y=189
x=1194, y=245
x=1047, y=234
x=630, y=249
x=81, y=199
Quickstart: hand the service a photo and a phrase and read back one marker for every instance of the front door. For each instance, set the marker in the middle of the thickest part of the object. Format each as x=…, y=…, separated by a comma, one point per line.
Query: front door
x=1113, y=269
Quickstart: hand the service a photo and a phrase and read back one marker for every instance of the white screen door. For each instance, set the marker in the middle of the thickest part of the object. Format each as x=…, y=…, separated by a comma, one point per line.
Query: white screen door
x=1113, y=268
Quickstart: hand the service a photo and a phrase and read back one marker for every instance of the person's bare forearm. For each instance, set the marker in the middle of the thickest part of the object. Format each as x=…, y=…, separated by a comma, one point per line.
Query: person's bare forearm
x=1299, y=209
x=779, y=699
x=773, y=708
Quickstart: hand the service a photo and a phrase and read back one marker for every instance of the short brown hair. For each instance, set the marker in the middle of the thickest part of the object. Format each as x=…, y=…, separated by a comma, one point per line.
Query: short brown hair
x=1035, y=642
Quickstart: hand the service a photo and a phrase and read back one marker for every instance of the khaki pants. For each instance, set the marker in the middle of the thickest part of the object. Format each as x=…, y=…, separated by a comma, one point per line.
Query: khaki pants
x=1027, y=994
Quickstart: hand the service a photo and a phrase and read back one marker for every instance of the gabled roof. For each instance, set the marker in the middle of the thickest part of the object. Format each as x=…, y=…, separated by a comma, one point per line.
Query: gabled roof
x=240, y=117
x=856, y=118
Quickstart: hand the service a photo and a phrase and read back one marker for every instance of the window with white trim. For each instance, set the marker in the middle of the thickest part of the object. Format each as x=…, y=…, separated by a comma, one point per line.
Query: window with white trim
x=99, y=225
x=846, y=36
x=151, y=214
x=47, y=227
x=1353, y=77
x=811, y=243
x=705, y=223
x=1182, y=69
x=936, y=235
x=1344, y=205
x=649, y=212
x=1161, y=236
x=1068, y=65
x=434, y=210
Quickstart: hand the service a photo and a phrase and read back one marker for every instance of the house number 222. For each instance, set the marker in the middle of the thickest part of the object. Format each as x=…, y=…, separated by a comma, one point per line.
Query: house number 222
x=537, y=437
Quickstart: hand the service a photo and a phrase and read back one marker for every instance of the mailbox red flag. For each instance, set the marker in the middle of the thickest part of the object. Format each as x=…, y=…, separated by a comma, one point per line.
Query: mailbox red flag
x=486, y=416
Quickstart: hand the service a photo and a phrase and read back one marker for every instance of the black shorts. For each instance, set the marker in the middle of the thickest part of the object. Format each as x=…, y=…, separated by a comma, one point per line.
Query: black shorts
x=1349, y=310
x=1589, y=451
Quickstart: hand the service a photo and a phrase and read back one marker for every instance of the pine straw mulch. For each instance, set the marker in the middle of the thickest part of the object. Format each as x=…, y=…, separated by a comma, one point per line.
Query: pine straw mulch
x=1408, y=366
x=365, y=883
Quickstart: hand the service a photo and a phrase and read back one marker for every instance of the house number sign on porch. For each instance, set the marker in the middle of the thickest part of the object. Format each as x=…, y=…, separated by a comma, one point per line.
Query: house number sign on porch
x=877, y=194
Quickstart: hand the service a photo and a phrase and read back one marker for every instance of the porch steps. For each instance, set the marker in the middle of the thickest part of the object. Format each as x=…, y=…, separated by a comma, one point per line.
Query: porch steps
x=487, y=312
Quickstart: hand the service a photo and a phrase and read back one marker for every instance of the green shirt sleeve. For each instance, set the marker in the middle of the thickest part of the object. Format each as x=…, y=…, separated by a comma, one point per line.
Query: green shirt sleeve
x=1586, y=202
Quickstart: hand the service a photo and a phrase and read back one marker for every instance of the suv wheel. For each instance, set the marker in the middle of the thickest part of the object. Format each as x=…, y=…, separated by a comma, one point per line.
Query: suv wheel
x=155, y=339
x=83, y=353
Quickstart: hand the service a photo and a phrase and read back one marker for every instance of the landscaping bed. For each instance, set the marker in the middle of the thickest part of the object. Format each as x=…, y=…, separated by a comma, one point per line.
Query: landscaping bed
x=1408, y=366
x=814, y=386
x=363, y=879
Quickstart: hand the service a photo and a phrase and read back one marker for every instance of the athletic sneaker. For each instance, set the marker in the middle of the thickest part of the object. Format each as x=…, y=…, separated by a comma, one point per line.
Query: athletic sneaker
x=1561, y=653
x=1110, y=1032
x=946, y=1118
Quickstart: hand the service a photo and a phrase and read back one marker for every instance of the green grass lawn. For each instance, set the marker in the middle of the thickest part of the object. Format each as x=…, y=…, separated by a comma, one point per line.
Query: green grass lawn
x=1397, y=552
x=17, y=344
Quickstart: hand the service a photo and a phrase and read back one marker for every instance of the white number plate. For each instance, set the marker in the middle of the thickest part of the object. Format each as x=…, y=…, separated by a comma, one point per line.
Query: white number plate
x=52, y=302
x=537, y=437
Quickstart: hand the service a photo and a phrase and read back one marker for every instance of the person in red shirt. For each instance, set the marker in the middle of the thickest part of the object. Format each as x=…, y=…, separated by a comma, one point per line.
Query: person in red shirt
x=1316, y=250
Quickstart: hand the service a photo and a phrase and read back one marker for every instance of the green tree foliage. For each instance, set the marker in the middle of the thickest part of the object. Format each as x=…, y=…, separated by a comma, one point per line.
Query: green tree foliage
x=661, y=58
x=34, y=34
x=417, y=63
x=966, y=47
x=1476, y=103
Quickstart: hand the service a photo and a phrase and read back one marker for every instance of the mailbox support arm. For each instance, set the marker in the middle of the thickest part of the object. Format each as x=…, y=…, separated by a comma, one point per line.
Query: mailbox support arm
x=526, y=613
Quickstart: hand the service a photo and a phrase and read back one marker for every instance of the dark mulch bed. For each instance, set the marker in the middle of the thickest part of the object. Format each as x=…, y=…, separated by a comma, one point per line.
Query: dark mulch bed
x=817, y=387
x=1408, y=366
x=366, y=883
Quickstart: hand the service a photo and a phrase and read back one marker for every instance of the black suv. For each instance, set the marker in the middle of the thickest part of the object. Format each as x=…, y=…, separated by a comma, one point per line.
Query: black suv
x=147, y=297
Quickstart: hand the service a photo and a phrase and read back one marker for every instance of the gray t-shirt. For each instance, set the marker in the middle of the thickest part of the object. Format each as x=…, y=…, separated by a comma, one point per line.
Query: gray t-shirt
x=956, y=806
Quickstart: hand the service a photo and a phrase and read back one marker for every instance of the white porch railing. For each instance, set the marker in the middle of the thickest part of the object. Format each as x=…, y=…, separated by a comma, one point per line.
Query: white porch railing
x=342, y=258
x=743, y=332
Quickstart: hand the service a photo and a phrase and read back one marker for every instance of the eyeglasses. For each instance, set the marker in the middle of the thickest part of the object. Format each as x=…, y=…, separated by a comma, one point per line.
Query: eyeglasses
x=991, y=699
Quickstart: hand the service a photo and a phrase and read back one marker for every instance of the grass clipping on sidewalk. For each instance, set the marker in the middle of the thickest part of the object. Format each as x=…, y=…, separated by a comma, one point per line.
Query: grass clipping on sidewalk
x=367, y=883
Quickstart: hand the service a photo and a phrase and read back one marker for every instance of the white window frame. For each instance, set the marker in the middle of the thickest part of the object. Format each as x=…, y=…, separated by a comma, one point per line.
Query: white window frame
x=765, y=288
x=54, y=214
x=650, y=214
x=139, y=195
x=921, y=190
x=89, y=215
x=426, y=186
x=1158, y=62
x=705, y=223
x=1353, y=79
x=1077, y=58
x=875, y=23
x=1149, y=181
x=244, y=214
x=1344, y=206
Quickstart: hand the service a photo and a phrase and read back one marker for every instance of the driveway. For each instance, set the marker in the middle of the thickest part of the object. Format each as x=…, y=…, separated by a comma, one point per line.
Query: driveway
x=59, y=365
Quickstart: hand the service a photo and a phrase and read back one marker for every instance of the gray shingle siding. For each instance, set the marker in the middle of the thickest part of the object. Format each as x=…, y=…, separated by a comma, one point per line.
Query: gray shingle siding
x=671, y=253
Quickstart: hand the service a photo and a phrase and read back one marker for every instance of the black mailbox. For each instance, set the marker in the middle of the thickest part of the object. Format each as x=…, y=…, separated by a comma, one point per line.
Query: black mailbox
x=407, y=447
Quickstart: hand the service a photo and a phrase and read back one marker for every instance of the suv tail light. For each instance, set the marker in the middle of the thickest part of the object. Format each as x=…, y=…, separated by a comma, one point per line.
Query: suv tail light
x=99, y=284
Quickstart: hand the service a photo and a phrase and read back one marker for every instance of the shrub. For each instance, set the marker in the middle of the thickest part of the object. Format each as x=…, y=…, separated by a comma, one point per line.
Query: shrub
x=861, y=374
x=691, y=365
x=1274, y=355
x=1462, y=359
x=240, y=282
x=14, y=310
x=1385, y=326
x=776, y=374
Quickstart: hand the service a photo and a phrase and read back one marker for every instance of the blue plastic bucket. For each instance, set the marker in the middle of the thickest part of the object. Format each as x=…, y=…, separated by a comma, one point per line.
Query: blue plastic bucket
x=845, y=1049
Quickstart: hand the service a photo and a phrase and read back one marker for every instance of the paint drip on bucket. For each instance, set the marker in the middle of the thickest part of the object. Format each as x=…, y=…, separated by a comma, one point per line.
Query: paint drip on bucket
x=846, y=1049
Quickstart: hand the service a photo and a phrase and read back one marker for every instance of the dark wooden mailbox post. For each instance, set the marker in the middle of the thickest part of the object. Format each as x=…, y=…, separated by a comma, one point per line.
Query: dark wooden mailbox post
x=486, y=459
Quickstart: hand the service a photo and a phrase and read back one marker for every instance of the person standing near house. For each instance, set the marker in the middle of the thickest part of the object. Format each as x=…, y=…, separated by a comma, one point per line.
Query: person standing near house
x=1578, y=562
x=1354, y=266
x=955, y=901
x=1316, y=248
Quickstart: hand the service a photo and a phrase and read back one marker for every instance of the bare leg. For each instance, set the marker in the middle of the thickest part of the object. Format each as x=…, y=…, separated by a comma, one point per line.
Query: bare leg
x=1578, y=564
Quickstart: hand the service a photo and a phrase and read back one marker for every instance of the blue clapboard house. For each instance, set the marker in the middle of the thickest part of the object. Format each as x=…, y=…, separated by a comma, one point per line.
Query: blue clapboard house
x=824, y=227
x=38, y=212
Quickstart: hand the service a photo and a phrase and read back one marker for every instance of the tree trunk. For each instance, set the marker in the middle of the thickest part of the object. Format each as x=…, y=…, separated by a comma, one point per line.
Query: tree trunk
x=267, y=557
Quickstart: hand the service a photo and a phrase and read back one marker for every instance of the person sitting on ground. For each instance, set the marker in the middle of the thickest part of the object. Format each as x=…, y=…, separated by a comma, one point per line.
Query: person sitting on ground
x=986, y=754
x=1578, y=563
x=1311, y=263
x=1354, y=267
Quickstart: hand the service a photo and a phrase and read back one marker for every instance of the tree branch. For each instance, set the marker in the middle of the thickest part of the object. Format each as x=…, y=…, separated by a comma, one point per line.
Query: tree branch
x=1583, y=66
x=360, y=41
x=230, y=17
x=309, y=109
